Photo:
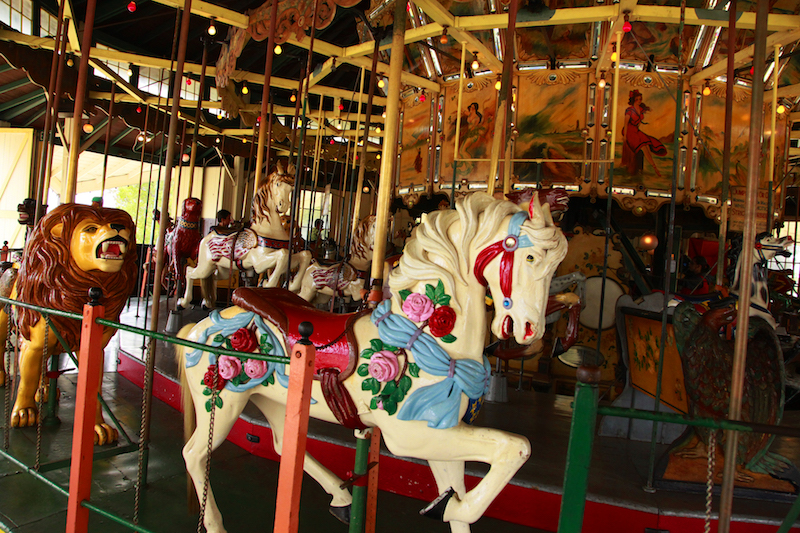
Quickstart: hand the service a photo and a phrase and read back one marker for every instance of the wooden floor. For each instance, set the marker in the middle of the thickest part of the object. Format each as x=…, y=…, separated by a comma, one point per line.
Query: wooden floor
x=245, y=484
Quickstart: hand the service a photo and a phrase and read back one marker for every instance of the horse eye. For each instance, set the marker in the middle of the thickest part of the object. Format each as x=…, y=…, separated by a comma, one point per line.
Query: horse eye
x=529, y=259
x=90, y=229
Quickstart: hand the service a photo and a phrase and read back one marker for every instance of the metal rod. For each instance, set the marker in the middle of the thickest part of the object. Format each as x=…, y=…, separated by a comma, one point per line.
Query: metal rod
x=265, y=96
x=668, y=257
x=51, y=113
x=115, y=518
x=198, y=110
x=356, y=203
x=746, y=258
x=772, y=136
x=71, y=178
x=726, y=150
x=458, y=122
x=55, y=104
x=504, y=98
x=108, y=140
x=34, y=473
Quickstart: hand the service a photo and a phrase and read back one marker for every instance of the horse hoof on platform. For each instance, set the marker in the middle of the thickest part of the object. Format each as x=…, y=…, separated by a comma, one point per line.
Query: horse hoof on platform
x=436, y=508
x=179, y=308
x=342, y=514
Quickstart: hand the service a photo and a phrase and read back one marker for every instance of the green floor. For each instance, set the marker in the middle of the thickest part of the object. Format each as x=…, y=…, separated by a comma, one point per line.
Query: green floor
x=244, y=485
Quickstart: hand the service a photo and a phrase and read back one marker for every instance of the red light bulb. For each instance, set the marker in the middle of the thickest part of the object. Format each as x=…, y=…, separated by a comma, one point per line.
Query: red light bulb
x=138, y=108
x=341, y=107
x=132, y=7
x=626, y=27
x=188, y=81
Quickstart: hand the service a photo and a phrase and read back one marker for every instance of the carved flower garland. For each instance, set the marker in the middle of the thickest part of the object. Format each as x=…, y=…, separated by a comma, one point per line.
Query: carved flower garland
x=388, y=381
x=237, y=370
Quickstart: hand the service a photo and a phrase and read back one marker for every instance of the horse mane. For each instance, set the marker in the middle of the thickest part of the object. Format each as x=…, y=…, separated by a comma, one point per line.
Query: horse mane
x=363, y=238
x=263, y=197
x=431, y=254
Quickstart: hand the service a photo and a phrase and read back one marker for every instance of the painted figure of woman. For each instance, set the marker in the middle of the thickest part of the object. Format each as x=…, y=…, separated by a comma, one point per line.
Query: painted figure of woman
x=634, y=140
x=473, y=133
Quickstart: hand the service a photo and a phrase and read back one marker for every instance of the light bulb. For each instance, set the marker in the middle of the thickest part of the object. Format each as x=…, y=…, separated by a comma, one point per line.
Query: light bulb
x=278, y=50
x=377, y=129
x=706, y=90
x=140, y=138
x=381, y=83
x=443, y=39
x=132, y=7
x=781, y=109
x=293, y=98
x=378, y=156
x=383, y=115
x=216, y=140
x=498, y=84
x=245, y=90
x=613, y=57
x=212, y=30
x=601, y=83
x=88, y=128
x=475, y=64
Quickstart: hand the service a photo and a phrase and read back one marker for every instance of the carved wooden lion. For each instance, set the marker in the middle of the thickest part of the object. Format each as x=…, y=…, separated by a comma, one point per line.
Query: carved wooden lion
x=73, y=248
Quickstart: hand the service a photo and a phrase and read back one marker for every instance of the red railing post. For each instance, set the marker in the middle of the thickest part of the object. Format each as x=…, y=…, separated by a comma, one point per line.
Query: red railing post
x=90, y=366
x=298, y=402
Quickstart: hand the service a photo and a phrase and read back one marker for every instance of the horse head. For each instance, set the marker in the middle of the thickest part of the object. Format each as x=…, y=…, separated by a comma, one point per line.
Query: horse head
x=273, y=195
x=767, y=246
x=518, y=267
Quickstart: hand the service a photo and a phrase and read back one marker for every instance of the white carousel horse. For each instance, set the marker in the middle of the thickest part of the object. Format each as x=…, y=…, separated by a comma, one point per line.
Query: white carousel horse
x=766, y=248
x=263, y=247
x=421, y=365
x=347, y=278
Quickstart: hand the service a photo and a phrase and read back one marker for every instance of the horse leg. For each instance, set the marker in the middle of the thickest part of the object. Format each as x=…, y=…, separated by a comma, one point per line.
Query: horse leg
x=195, y=452
x=184, y=302
x=504, y=452
x=279, y=268
x=450, y=475
x=303, y=260
x=340, y=498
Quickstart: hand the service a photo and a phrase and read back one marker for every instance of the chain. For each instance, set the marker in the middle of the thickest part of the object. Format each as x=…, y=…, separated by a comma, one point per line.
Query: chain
x=213, y=400
x=40, y=402
x=712, y=452
x=7, y=355
x=137, y=494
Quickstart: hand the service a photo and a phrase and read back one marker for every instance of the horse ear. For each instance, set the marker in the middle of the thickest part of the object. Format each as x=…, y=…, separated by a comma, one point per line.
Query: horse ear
x=290, y=169
x=535, y=212
x=279, y=167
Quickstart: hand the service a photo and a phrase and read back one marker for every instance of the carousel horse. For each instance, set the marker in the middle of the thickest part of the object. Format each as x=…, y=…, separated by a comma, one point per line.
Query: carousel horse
x=766, y=248
x=184, y=239
x=413, y=366
x=347, y=278
x=262, y=247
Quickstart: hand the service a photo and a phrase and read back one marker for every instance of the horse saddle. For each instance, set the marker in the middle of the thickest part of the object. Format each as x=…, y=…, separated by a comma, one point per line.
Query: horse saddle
x=333, y=337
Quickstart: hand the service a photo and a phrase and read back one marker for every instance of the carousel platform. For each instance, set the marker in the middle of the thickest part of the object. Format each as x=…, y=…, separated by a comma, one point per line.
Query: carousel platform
x=616, y=500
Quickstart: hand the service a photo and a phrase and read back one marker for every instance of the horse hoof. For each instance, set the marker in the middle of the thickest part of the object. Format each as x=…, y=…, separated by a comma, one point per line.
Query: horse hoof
x=436, y=508
x=342, y=514
x=179, y=308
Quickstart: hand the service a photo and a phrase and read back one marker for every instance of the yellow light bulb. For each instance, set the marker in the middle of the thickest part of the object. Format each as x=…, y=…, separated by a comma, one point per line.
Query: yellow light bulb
x=498, y=84
x=613, y=57
x=378, y=156
x=245, y=90
x=781, y=109
x=706, y=90
x=381, y=83
x=212, y=30
x=377, y=129
x=293, y=98
x=475, y=64
x=278, y=50
x=601, y=83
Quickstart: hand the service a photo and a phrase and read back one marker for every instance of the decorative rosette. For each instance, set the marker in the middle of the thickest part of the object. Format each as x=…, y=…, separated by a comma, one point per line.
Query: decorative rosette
x=432, y=309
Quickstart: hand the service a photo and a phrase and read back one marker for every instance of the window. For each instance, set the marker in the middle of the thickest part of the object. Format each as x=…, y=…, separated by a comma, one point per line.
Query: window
x=18, y=14
x=48, y=24
x=123, y=69
x=154, y=81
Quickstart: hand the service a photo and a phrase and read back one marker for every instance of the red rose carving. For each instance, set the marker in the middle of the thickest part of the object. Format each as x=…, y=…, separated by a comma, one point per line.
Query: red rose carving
x=244, y=340
x=442, y=321
x=208, y=379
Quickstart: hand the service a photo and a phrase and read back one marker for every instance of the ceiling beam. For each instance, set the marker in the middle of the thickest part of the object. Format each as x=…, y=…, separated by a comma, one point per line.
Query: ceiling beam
x=119, y=80
x=72, y=31
x=207, y=10
x=20, y=100
x=743, y=56
x=411, y=36
x=712, y=17
x=124, y=133
x=442, y=16
x=34, y=118
x=16, y=84
x=789, y=91
x=24, y=106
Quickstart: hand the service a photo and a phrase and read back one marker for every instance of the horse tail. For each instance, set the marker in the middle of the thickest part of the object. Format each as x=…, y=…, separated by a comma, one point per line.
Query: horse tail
x=189, y=421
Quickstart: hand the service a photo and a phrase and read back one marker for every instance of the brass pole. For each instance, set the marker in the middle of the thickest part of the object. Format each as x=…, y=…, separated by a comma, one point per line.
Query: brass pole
x=108, y=139
x=56, y=103
x=197, y=114
x=362, y=160
x=458, y=121
x=726, y=150
x=357, y=200
x=772, y=137
x=170, y=160
x=615, y=101
x=746, y=259
x=51, y=112
x=504, y=98
x=389, y=157
x=265, y=95
x=71, y=180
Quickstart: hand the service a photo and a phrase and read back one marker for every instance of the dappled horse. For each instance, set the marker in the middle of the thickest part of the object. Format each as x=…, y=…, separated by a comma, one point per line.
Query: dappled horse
x=263, y=247
x=766, y=248
x=414, y=366
x=347, y=278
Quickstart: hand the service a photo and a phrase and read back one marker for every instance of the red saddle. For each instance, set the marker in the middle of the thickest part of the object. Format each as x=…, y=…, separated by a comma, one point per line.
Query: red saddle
x=333, y=335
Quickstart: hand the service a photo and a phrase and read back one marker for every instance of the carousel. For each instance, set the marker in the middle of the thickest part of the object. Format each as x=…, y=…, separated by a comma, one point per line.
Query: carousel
x=470, y=266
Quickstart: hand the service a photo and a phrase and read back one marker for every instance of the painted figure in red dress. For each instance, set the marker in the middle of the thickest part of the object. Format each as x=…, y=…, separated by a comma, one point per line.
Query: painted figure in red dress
x=634, y=140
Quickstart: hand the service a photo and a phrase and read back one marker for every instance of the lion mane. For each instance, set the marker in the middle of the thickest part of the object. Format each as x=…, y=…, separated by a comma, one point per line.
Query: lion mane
x=50, y=277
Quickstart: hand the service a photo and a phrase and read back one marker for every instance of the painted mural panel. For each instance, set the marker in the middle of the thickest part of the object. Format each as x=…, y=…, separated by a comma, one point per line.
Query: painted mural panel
x=478, y=109
x=550, y=117
x=567, y=41
x=416, y=134
x=644, y=143
x=712, y=135
x=659, y=39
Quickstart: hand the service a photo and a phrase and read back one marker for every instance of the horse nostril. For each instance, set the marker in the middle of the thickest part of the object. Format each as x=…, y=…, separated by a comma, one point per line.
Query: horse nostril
x=118, y=227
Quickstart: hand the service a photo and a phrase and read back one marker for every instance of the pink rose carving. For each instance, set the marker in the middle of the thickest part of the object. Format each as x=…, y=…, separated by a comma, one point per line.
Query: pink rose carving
x=255, y=368
x=418, y=307
x=384, y=366
x=229, y=367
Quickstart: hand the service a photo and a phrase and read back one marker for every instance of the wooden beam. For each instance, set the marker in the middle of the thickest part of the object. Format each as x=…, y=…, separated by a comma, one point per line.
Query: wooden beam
x=442, y=16
x=789, y=91
x=569, y=15
x=207, y=10
x=711, y=17
x=412, y=36
x=72, y=31
x=119, y=80
x=743, y=56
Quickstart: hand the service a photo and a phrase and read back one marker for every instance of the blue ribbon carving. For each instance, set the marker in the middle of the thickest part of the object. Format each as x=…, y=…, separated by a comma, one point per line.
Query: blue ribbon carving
x=227, y=327
x=438, y=404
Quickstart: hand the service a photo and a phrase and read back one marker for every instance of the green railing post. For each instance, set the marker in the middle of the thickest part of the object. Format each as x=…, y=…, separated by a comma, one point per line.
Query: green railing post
x=50, y=410
x=579, y=451
x=359, y=507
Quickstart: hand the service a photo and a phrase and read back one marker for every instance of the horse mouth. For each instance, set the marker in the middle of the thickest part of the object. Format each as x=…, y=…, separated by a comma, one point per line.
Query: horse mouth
x=528, y=330
x=112, y=249
x=508, y=327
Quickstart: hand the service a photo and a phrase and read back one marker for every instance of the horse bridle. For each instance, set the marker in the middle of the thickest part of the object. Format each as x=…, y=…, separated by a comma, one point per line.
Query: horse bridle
x=507, y=246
